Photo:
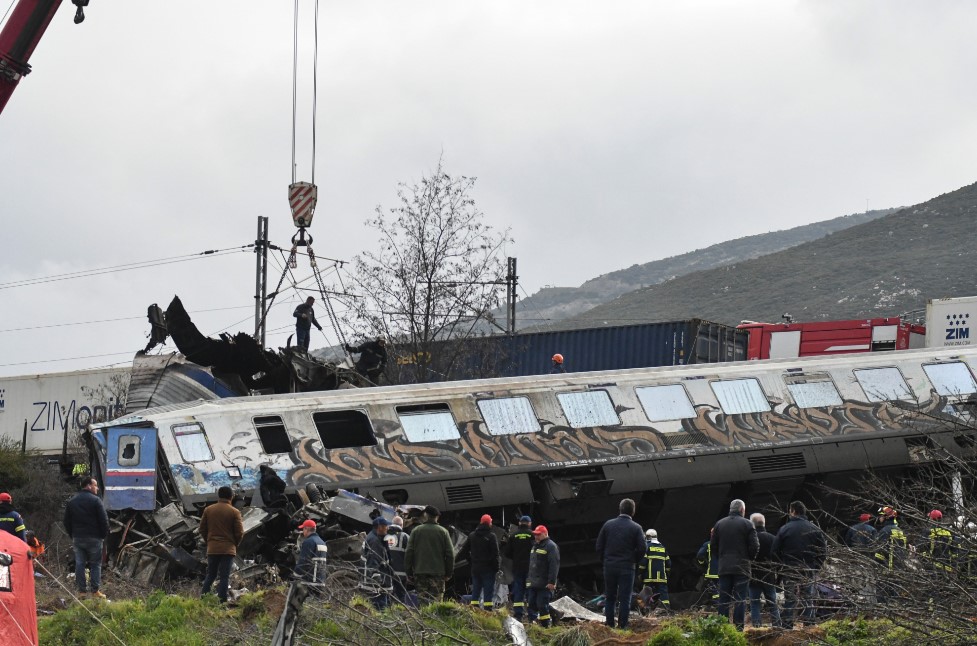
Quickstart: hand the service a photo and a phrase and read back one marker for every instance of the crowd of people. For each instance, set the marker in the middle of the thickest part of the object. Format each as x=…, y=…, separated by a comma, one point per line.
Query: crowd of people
x=743, y=564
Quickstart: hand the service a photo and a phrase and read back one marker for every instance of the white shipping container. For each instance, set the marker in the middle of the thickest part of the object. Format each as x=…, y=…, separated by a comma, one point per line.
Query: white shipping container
x=56, y=404
x=950, y=321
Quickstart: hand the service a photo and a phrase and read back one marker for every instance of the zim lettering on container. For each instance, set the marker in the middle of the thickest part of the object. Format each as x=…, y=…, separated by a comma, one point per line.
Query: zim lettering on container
x=957, y=328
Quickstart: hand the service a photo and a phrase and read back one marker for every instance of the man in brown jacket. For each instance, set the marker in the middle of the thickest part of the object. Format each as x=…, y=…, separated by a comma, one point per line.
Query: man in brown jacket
x=222, y=527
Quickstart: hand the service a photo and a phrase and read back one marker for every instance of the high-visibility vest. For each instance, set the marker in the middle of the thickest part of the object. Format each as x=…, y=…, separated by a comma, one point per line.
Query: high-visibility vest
x=941, y=548
x=886, y=554
x=656, y=564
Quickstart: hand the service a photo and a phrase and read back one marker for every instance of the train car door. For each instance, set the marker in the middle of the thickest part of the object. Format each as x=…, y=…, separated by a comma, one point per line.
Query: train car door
x=130, y=469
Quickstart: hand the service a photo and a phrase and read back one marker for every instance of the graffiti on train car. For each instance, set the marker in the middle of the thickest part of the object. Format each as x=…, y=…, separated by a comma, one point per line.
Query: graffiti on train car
x=560, y=446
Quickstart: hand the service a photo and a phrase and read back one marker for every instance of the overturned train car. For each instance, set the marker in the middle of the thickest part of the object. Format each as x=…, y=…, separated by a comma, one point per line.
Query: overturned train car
x=566, y=448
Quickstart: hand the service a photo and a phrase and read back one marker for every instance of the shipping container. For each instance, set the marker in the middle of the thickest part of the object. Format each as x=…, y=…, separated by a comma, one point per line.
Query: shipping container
x=949, y=320
x=54, y=407
x=647, y=345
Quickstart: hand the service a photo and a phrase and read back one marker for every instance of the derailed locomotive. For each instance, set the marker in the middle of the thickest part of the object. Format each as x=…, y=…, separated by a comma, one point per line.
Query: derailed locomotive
x=682, y=441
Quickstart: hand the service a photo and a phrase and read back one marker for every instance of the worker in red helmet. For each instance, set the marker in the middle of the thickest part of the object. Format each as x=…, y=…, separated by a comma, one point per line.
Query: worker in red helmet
x=483, y=550
x=941, y=546
x=558, y=366
x=861, y=535
x=10, y=521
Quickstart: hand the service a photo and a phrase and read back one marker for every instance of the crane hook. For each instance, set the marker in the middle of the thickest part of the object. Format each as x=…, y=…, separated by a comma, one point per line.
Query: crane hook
x=80, y=12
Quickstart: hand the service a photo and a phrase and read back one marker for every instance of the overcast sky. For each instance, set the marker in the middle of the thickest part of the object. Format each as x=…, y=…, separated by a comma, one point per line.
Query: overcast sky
x=603, y=134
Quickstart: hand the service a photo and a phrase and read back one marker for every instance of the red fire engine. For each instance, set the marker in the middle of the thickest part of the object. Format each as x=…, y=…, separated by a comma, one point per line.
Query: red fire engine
x=788, y=340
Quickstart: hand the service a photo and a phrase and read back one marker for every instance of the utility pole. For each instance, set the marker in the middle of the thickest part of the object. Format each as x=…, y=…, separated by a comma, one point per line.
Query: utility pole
x=511, y=281
x=261, y=279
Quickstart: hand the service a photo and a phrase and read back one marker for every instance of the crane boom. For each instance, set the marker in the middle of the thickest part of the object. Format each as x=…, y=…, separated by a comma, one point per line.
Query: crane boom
x=20, y=36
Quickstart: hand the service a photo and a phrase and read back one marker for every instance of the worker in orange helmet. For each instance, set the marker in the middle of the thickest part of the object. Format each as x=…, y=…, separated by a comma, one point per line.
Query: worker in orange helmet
x=558, y=366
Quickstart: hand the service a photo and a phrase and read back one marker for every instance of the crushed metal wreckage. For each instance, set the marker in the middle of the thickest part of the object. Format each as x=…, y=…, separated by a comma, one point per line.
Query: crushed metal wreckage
x=228, y=366
x=149, y=547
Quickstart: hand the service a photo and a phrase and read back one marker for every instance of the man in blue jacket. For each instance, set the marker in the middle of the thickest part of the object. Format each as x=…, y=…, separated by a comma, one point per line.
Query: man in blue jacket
x=802, y=548
x=311, y=565
x=87, y=524
x=620, y=547
x=735, y=543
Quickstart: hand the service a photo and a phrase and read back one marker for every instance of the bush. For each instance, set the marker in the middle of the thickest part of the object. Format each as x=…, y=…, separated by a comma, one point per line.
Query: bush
x=708, y=630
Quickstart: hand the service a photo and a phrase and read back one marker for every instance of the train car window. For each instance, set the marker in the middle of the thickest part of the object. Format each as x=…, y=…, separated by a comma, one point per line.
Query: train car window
x=739, y=396
x=428, y=423
x=192, y=442
x=508, y=416
x=951, y=379
x=590, y=408
x=272, y=433
x=128, y=450
x=883, y=384
x=344, y=429
x=813, y=390
x=665, y=403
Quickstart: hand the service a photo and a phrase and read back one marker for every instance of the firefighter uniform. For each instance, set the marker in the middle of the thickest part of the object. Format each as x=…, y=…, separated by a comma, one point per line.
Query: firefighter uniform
x=517, y=548
x=710, y=561
x=890, y=553
x=655, y=568
x=10, y=521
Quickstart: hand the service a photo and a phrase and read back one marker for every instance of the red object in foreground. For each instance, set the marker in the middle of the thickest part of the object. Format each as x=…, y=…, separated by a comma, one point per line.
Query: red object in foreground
x=19, y=38
x=790, y=340
x=18, y=609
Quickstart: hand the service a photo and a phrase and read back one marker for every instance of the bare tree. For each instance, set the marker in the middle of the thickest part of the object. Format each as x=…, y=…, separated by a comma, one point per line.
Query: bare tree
x=924, y=580
x=437, y=272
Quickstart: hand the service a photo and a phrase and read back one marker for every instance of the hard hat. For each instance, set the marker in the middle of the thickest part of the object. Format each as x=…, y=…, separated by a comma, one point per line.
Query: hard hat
x=651, y=533
x=485, y=520
x=936, y=514
x=5, y=497
x=558, y=358
x=865, y=518
x=888, y=512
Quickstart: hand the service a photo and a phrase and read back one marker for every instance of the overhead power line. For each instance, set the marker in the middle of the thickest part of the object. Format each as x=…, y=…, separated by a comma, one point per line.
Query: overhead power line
x=85, y=273
x=121, y=318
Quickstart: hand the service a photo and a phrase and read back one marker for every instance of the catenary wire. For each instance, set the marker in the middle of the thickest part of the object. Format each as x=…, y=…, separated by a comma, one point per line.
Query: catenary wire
x=85, y=273
x=123, y=318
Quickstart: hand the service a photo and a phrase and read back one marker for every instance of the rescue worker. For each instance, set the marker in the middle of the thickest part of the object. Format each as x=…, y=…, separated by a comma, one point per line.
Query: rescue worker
x=735, y=542
x=862, y=535
x=941, y=547
x=377, y=570
x=430, y=557
x=802, y=548
x=311, y=565
x=517, y=548
x=620, y=547
x=10, y=521
x=544, y=567
x=397, y=540
x=304, y=320
x=373, y=358
x=483, y=547
x=710, y=562
x=655, y=567
x=557, y=367
x=890, y=551
x=763, y=575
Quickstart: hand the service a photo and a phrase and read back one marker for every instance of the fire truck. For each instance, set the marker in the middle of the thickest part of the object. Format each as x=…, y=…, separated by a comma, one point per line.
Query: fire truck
x=789, y=339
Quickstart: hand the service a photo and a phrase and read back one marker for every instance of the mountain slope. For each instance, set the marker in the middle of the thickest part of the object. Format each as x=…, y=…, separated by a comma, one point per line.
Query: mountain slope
x=555, y=303
x=884, y=267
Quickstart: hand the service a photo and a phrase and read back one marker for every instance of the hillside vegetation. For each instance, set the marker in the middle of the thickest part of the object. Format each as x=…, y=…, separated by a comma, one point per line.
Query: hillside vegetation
x=555, y=303
x=883, y=267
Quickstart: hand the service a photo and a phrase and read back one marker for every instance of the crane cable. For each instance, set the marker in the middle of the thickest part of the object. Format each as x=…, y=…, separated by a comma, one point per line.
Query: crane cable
x=315, y=82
